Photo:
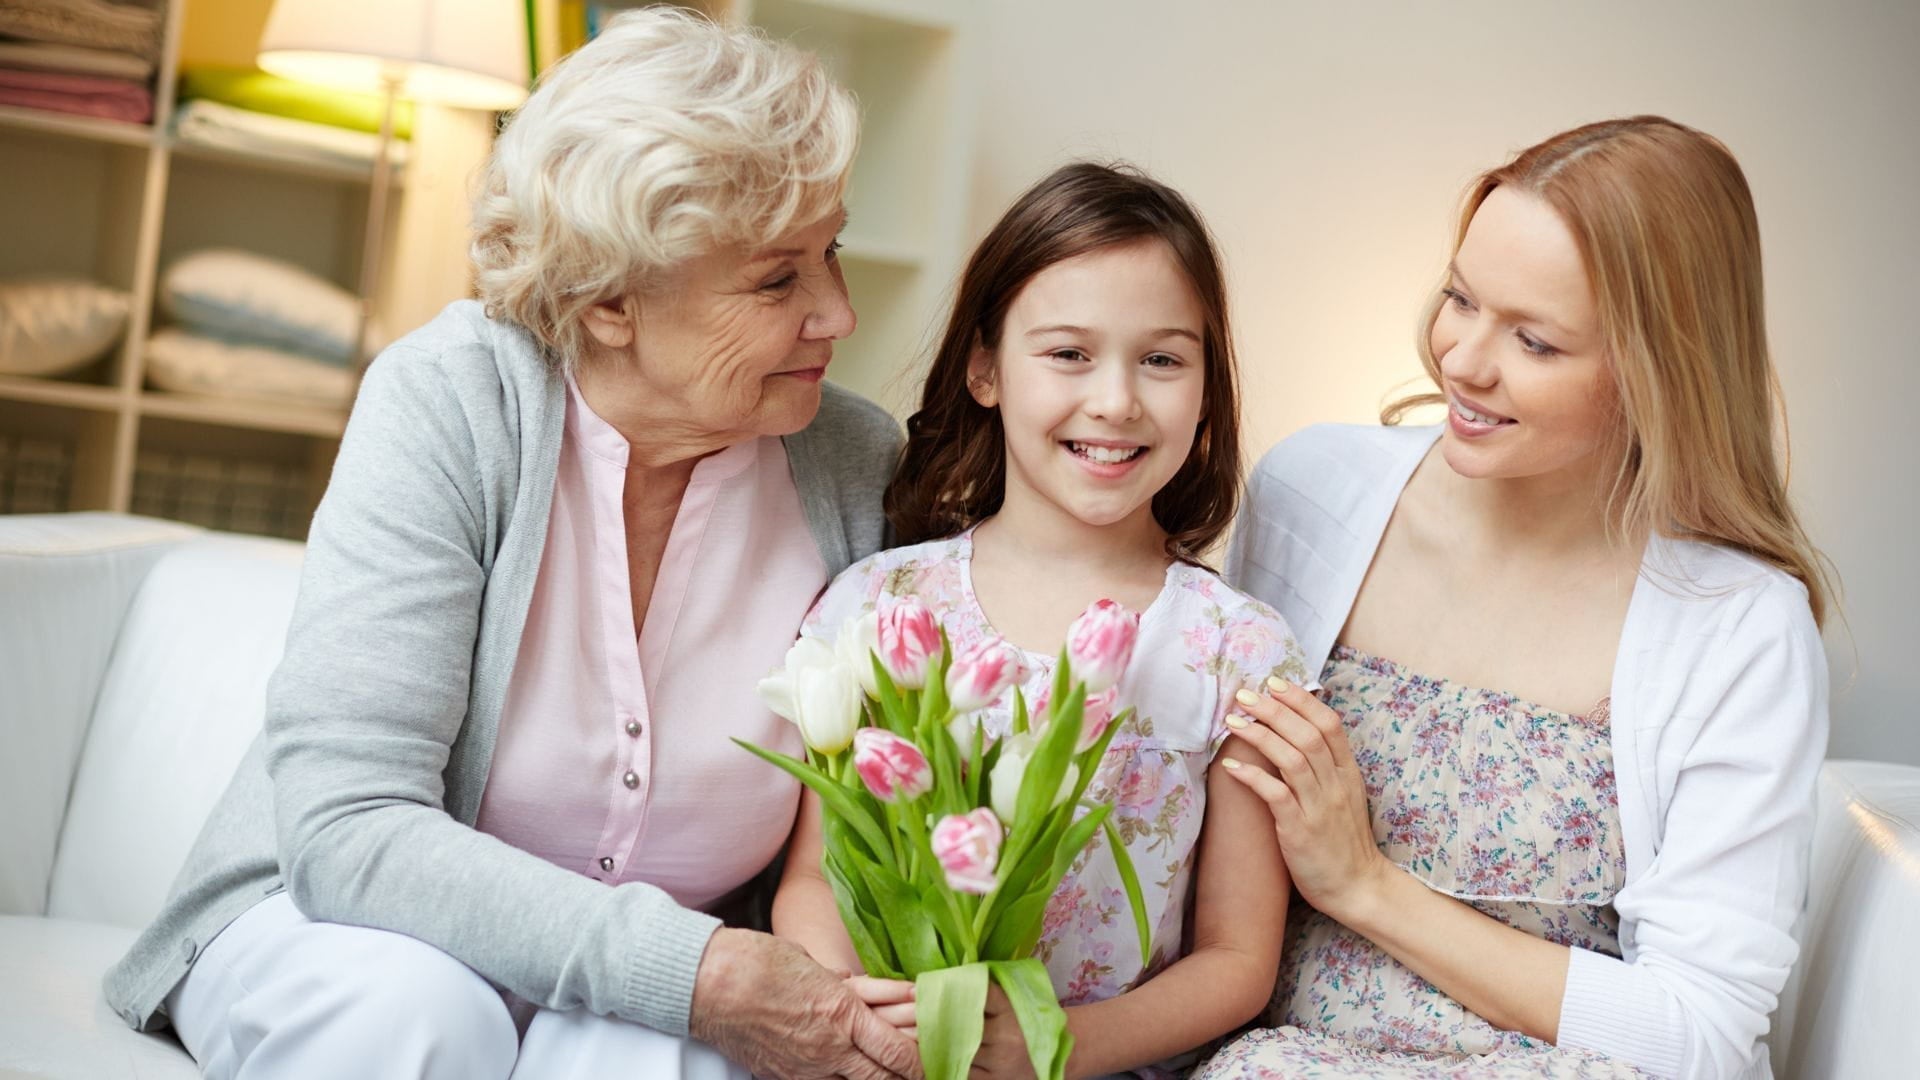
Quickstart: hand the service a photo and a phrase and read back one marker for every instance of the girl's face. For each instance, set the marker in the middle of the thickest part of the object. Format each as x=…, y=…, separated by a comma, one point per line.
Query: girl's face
x=1518, y=342
x=1099, y=379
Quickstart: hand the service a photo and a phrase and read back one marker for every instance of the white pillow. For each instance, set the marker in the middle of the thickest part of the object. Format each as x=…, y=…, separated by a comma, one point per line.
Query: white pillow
x=190, y=364
x=52, y=325
x=251, y=299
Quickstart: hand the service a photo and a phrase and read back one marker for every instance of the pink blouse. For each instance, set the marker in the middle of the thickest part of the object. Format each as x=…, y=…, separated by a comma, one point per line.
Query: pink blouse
x=614, y=757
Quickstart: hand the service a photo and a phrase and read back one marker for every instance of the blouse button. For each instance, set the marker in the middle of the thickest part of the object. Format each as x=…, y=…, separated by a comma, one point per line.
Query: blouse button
x=632, y=779
x=606, y=863
x=633, y=728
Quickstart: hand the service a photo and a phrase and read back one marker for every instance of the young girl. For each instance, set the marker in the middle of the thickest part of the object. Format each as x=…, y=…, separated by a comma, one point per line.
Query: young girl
x=1078, y=440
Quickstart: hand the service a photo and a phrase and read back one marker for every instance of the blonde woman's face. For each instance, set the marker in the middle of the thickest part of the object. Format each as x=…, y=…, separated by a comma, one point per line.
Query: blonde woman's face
x=1519, y=347
x=735, y=348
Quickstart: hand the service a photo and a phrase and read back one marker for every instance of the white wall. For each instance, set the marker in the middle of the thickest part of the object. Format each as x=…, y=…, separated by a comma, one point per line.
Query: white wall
x=1327, y=144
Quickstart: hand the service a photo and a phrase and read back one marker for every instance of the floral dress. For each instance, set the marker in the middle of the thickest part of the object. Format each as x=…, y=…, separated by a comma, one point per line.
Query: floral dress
x=1506, y=805
x=1200, y=641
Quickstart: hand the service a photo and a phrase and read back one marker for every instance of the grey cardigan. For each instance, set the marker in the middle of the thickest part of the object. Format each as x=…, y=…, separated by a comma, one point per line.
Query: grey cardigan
x=360, y=795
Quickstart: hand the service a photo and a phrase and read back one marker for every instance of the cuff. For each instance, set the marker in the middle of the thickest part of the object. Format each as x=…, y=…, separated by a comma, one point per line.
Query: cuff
x=1612, y=1008
x=659, y=990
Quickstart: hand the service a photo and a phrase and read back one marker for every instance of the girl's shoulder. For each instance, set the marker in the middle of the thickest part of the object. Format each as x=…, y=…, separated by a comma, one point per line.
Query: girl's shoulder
x=896, y=571
x=1234, y=630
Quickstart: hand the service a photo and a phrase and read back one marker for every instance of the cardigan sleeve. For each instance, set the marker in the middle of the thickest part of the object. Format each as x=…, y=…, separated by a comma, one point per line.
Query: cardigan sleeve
x=373, y=694
x=1706, y=924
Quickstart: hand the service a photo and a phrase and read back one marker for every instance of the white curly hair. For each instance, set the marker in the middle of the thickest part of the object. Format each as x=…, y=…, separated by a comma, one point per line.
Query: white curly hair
x=663, y=138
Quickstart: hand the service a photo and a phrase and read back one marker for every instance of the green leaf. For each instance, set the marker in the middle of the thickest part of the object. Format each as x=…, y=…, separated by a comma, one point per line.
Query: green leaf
x=1048, y=766
x=863, y=926
x=1019, y=711
x=898, y=718
x=1042, y=1021
x=1131, y=881
x=914, y=940
x=951, y=1013
x=1017, y=921
x=833, y=796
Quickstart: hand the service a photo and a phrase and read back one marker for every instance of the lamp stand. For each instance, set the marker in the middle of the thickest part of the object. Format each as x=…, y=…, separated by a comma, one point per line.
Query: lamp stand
x=370, y=247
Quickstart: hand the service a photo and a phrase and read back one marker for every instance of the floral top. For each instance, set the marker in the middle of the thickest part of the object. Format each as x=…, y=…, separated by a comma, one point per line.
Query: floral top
x=1200, y=641
x=1503, y=804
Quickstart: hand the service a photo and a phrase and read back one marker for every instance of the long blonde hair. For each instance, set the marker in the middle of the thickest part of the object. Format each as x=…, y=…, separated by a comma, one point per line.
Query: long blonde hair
x=1667, y=231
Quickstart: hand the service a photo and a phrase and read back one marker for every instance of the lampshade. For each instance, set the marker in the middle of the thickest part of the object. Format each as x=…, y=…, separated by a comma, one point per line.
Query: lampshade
x=464, y=53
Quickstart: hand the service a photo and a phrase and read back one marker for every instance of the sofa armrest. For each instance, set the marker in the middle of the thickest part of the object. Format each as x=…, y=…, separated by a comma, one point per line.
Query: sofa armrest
x=66, y=581
x=1848, y=1008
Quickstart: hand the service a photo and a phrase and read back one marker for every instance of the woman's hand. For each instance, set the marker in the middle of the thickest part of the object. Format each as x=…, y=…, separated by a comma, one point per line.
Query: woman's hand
x=1003, y=1049
x=767, y=1006
x=1318, y=802
x=890, y=999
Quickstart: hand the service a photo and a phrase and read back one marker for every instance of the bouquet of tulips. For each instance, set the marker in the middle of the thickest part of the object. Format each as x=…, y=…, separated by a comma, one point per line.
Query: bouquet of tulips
x=942, y=842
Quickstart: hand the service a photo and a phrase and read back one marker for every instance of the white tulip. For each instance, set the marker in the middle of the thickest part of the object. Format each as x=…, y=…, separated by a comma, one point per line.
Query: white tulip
x=859, y=639
x=829, y=701
x=777, y=688
x=1011, y=770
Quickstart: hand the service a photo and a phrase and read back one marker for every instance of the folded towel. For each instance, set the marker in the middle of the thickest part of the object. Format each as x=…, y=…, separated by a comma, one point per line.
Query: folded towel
x=92, y=23
x=209, y=123
x=257, y=91
x=82, y=95
x=74, y=60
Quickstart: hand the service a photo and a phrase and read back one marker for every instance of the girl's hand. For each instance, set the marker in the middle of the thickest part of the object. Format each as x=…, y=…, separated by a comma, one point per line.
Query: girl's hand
x=1318, y=802
x=890, y=999
x=1003, y=1049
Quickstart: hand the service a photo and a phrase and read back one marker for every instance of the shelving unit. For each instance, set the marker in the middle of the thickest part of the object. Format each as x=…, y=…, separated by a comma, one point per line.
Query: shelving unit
x=908, y=63
x=116, y=203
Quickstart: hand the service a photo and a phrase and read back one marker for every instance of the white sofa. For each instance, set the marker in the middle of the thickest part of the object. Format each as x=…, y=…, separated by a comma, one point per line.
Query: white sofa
x=134, y=656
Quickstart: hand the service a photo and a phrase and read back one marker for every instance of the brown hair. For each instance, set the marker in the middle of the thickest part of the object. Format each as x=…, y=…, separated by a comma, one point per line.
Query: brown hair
x=1667, y=231
x=952, y=474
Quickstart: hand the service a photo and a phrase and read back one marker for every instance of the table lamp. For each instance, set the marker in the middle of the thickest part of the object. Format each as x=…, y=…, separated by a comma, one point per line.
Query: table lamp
x=469, y=54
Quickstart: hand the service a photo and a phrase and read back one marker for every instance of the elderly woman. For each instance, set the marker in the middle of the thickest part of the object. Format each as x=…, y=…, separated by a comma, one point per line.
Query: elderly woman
x=570, y=525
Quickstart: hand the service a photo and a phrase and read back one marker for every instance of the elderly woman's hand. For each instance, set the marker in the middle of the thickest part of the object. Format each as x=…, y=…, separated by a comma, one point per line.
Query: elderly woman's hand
x=1318, y=802
x=766, y=1005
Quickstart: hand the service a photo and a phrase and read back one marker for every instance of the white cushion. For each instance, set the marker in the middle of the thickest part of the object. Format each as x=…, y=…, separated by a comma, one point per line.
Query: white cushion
x=66, y=581
x=1848, y=1009
x=192, y=364
x=53, y=325
x=182, y=699
x=53, y=1021
x=255, y=300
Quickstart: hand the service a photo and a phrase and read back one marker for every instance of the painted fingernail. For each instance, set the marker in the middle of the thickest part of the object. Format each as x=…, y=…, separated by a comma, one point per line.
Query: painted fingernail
x=1229, y=763
x=1236, y=721
x=1245, y=697
x=1278, y=685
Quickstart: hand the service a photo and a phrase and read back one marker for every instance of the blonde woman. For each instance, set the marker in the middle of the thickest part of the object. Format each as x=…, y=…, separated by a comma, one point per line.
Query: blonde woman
x=496, y=809
x=1550, y=810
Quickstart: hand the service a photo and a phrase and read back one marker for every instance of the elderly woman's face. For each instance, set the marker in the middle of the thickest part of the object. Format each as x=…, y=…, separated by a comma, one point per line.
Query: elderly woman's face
x=736, y=347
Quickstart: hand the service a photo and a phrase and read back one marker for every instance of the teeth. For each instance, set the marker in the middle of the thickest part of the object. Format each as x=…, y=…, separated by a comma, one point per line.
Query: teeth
x=1107, y=455
x=1473, y=417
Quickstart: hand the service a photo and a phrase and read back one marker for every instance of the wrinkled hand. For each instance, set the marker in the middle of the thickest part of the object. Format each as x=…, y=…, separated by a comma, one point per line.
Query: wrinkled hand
x=1003, y=1049
x=1319, y=800
x=767, y=1006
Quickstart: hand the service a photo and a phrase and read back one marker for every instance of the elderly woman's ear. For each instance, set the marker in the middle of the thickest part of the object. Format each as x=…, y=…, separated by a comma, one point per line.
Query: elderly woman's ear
x=610, y=323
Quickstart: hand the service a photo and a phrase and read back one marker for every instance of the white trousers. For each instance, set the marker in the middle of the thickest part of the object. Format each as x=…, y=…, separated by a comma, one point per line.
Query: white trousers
x=279, y=995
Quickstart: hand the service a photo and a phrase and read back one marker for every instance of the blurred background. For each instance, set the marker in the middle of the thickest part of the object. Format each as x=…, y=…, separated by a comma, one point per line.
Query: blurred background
x=186, y=242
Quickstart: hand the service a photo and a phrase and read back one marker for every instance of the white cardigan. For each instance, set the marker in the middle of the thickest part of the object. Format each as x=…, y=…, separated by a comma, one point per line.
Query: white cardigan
x=1719, y=707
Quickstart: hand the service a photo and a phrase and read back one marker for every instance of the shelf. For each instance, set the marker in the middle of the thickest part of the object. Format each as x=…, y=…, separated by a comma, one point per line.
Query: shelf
x=57, y=392
x=254, y=414
x=91, y=129
x=278, y=163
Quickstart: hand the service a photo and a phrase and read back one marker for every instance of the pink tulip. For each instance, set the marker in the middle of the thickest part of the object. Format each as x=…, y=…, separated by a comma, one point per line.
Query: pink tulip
x=909, y=636
x=968, y=848
x=981, y=674
x=892, y=768
x=1100, y=642
x=1099, y=714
